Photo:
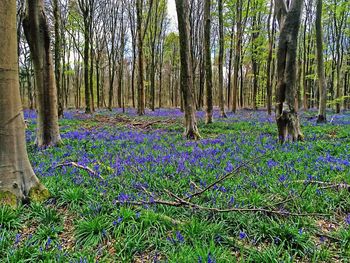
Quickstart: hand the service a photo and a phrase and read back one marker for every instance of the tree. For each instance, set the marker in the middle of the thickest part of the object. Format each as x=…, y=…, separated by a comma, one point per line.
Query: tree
x=221, y=60
x=86, y=8
x=320, y=66
x=38, y=36
x=18, y=181
x=207, y=57
x=141, y=88
x=191, y=130
x=286, y=114
x=271, y=36
x=57, y=25
x=238, y=51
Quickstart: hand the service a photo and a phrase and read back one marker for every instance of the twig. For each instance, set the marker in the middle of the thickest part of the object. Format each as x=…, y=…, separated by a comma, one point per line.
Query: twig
x=223, y=178
x=183, y=203
x=86, y=168
x=326, y=185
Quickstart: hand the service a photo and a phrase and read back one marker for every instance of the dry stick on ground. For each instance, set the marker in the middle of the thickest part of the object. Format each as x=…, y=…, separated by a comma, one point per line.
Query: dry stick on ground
x=224, y=178
x=326, y=185
x=184, y=202
x=86, y=168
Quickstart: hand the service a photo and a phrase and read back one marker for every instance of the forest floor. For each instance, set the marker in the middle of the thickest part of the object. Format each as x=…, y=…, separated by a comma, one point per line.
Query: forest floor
x=111, y=162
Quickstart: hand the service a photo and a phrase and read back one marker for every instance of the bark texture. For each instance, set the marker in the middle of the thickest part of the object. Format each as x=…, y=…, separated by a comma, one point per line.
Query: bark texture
x=208, y=70
x=141, y=96
x=320, y=66
x=286, y=114
x=191, y=130
x=221, y=60
x=38, y=36
x=17, y=179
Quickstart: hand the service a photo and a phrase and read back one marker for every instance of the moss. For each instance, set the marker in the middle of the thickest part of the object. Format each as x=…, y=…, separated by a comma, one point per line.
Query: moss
x=8, y=198
x=38, y=193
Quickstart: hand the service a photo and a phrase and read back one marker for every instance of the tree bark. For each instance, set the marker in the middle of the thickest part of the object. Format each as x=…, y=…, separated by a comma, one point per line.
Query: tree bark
x=57, y=18
x=320, y=66
x=208, y=69
x=221, y=60
x=18, y=181
x=237, y=60
x=38, y=36
x=191, y=130
x=271, y=36
x=286, y=114
x=141, y=88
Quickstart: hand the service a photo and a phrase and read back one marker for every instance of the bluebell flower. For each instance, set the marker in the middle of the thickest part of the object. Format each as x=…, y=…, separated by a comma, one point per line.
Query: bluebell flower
x=347, y=219
x=211, y=259
x=242, y=235
x=180, y=237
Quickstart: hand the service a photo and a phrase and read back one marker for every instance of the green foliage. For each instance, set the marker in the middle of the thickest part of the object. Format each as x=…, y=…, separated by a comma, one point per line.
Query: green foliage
x=9, y=218
x=82, y=220
x=92, y=231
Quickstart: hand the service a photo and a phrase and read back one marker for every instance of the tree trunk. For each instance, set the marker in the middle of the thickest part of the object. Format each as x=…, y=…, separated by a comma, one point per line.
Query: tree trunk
x=191, y=130
x=208, y=69
x=230, y=68
x=271, y=36
x=38, y=37
x=320, y=66
x=57, y=17
x=286, y=114
x=237, y=60
x=221, y=60
x=18, y=181
x=141, y=88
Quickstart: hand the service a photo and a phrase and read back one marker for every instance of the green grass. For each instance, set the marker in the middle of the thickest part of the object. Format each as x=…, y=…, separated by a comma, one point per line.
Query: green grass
x=82, y=221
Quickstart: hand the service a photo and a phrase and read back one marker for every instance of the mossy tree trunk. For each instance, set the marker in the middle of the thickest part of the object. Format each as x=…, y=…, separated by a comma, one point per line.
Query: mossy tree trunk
x=38, y=36
x=17, y=179
x=191, y=130
x=286, y=114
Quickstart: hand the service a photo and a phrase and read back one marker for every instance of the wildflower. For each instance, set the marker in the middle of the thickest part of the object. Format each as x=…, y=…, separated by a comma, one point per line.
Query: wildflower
x=242, y=235
x=347, y=219
x=180, y=237
x=48, y=243
x=322, y=239
x=229, y=167
x=211, y=259
x=18, y=238
x=300, y=231
x=282, y=178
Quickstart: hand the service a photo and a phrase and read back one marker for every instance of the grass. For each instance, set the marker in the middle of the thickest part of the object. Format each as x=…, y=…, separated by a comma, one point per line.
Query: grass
x=82, y=222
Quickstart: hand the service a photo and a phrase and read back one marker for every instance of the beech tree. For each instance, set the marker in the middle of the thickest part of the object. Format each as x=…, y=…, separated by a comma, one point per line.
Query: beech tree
x=286, y=113
x=208, y=66
x=191, y=130
x=38, y=36
x=320, y=66
x=221, y=59
x=18, y=181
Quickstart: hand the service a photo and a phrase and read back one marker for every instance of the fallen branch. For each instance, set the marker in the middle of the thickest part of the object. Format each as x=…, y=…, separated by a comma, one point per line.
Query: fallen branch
x=224, y=178
x=86, y=168
x=186, y=204
x=325, y=185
